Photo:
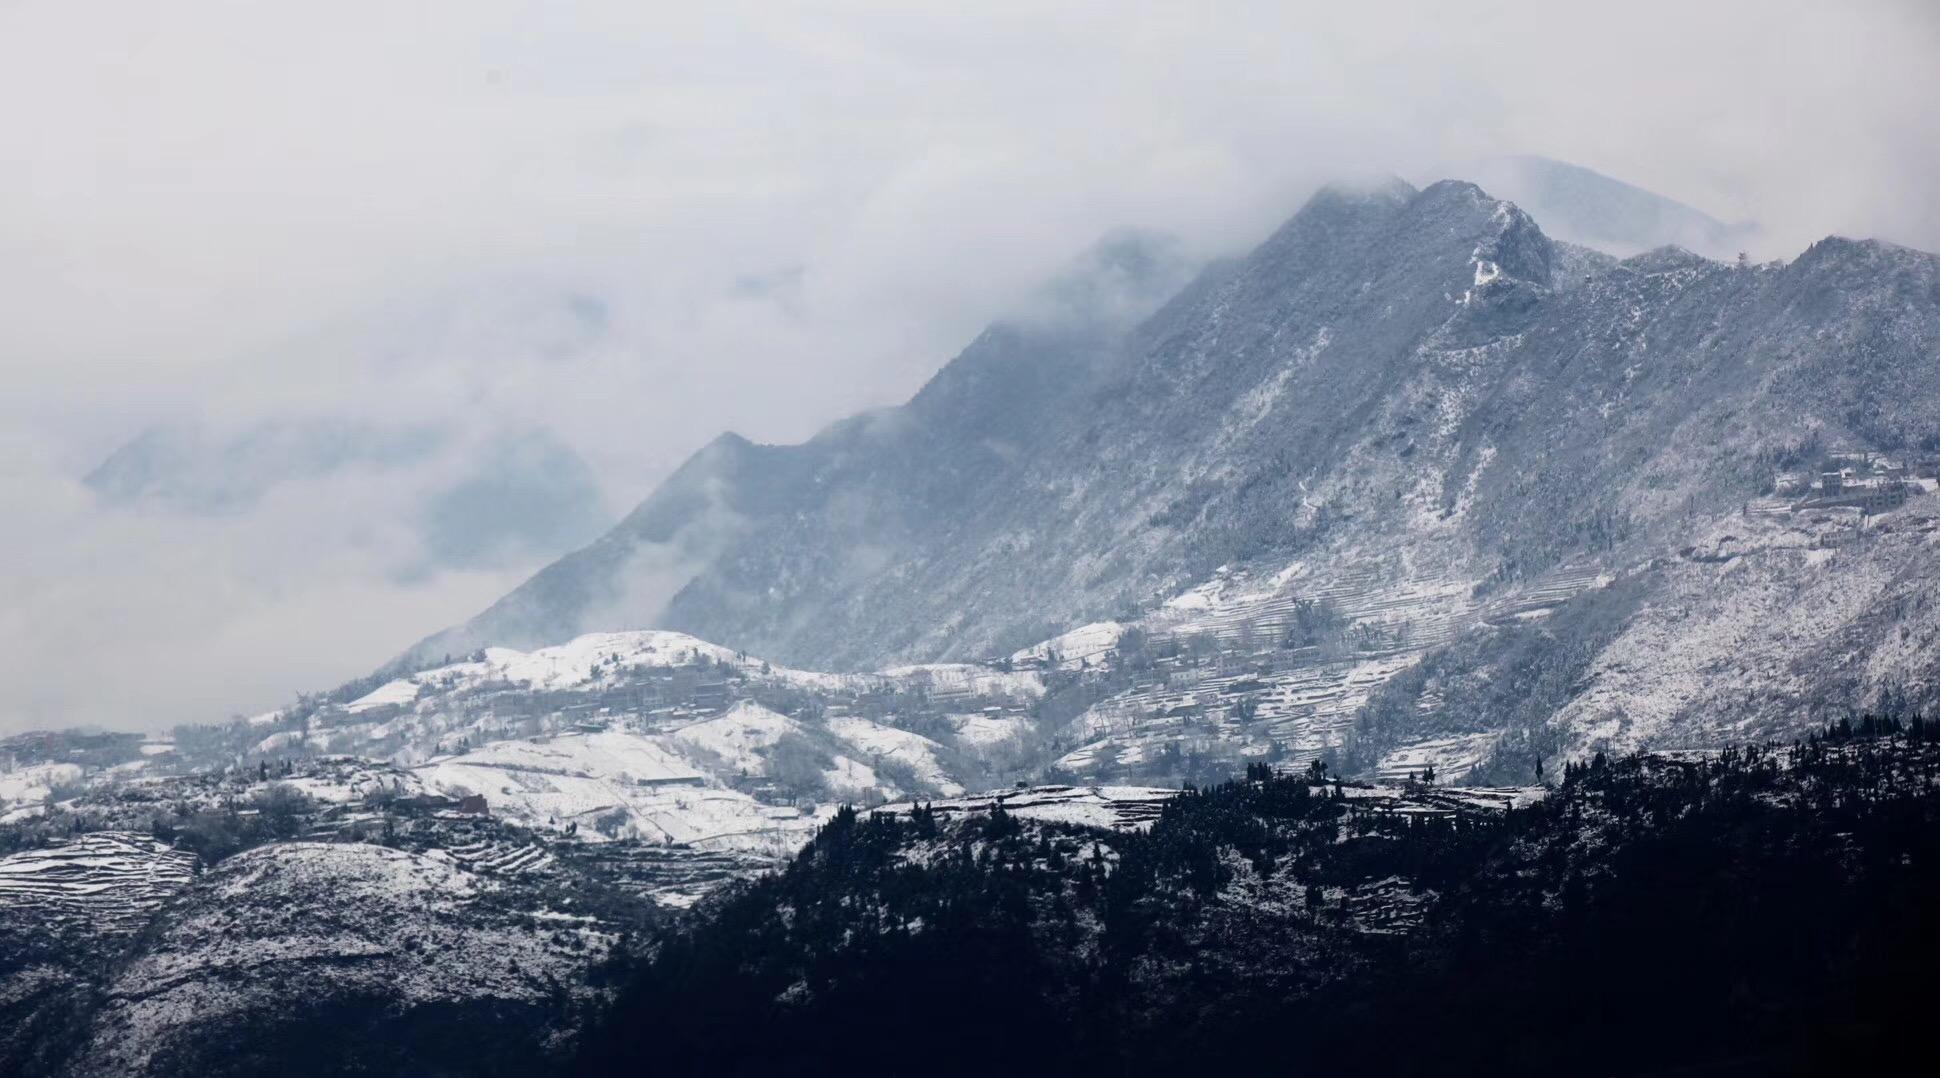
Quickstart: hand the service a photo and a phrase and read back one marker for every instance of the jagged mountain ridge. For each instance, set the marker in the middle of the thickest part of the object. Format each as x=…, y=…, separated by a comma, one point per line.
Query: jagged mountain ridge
x=1004, y=397
x=877, y=495
x=1415, y=384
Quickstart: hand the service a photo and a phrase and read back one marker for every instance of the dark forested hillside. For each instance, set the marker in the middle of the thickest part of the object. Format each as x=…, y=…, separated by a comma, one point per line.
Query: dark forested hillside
x=1755, y=911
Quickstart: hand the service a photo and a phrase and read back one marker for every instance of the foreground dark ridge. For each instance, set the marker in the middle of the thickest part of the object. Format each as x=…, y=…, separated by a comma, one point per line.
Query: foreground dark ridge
x=1755, y=911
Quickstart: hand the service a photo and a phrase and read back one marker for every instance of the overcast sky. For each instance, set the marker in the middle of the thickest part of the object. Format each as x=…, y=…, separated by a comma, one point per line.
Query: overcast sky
x=227, y=214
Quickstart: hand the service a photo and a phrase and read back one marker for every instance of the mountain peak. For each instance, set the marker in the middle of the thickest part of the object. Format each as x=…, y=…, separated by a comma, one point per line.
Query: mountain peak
x=1513, y=242
x=1667, y=257
x=1847, y=249
x=1390, y=189
x=728, y=442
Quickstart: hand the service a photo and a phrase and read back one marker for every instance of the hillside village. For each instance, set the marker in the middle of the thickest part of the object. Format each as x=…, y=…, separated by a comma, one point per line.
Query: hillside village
x=668, y=766
x=1861, y=480
x=660, y=738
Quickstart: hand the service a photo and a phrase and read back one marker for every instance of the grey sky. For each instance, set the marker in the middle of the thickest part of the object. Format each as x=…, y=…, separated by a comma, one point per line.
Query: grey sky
x=226, y=212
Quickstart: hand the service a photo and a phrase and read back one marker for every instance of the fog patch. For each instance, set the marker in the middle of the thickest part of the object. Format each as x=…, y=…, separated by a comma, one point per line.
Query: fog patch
x=653, y=573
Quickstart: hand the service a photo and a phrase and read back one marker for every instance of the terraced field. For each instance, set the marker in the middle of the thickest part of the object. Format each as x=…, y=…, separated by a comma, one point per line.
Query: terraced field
x=1303, y=698
x=1121, y=808
x=503, y=858
x=108, y=881
x=672, y=876
x=1451, y=757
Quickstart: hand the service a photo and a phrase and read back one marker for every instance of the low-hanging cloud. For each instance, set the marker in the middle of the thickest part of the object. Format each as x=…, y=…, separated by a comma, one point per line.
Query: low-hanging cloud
x=632, y=226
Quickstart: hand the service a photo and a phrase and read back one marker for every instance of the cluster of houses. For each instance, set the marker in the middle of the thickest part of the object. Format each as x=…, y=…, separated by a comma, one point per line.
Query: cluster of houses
x=1865, y=481
x=468, y=805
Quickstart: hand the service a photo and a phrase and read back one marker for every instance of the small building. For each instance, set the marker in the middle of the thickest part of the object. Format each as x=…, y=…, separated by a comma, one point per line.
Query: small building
x=1879, y=487
x=654, y=782
x=472, y=805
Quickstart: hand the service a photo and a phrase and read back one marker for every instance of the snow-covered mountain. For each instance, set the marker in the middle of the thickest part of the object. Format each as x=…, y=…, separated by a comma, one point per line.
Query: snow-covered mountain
x=1410, y=485
x=1412, y=492
x=1410, y=425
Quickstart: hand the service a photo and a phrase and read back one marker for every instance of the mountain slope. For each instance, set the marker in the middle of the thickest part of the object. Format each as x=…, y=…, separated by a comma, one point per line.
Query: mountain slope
x=864, y=495
x=1415, y=389
x=365, y=956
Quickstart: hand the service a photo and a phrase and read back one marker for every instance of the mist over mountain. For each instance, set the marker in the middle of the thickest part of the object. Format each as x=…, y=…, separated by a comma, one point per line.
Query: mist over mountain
x=1586, y=207
x=1002, y=397
x=1073, y=538
x=473, y=501
x=1419, y=386
x=1478, y=554
x=181, y=469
